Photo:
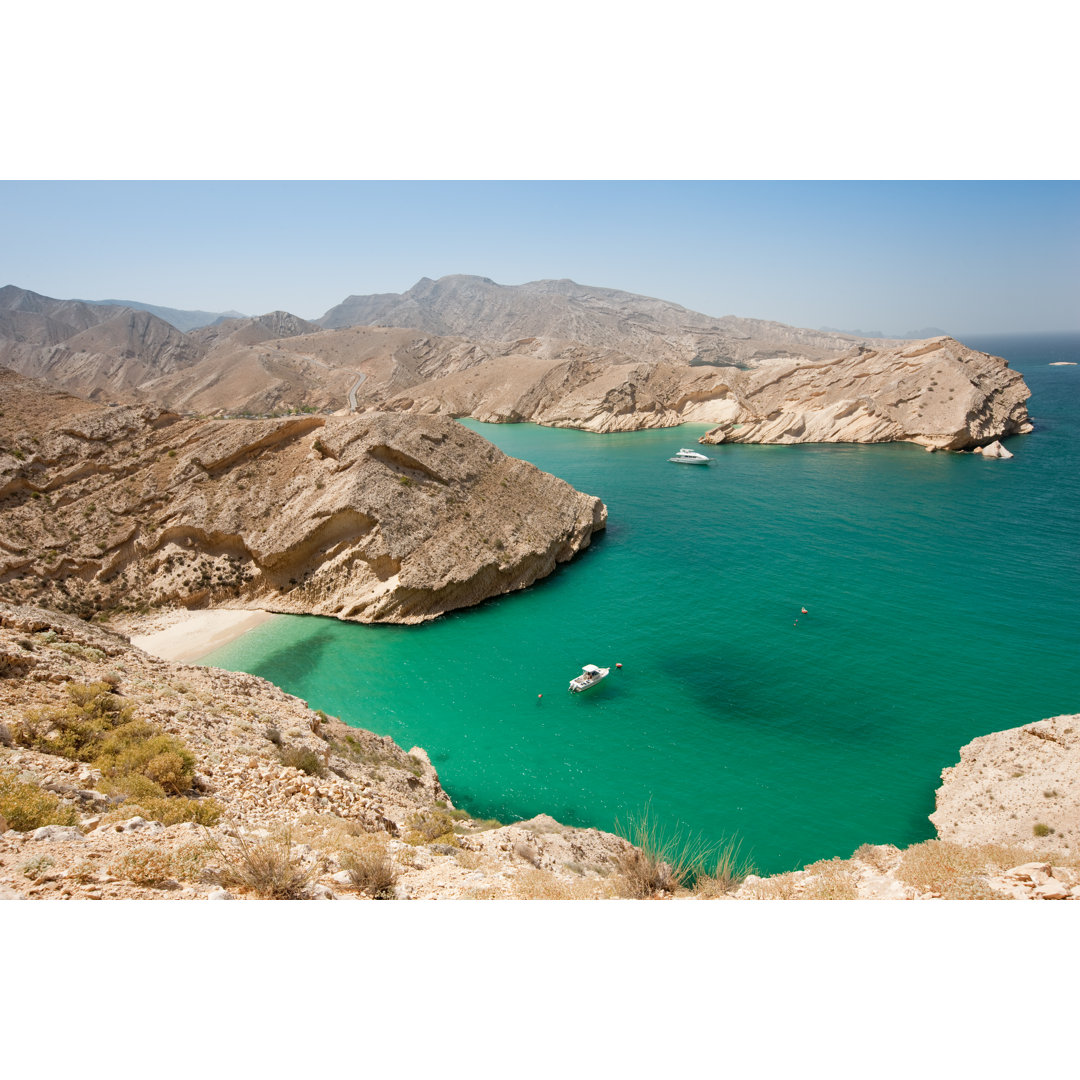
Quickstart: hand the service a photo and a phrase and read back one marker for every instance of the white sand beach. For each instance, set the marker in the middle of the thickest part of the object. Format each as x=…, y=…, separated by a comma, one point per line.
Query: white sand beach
x=187, y=635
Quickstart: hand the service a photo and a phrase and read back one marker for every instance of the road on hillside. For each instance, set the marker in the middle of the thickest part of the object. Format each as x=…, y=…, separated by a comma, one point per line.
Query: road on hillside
x=352, y=392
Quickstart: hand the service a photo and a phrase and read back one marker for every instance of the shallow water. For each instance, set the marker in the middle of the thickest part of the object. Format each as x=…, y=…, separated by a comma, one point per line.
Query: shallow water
x=943, y=599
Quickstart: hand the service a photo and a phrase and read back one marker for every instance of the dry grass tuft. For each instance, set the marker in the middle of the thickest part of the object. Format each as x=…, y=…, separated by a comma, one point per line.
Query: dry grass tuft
x=543, y=885
x=725, y=869
x=830, y=879
x=959, y=871
x=778, y=887
x=882, y=857
x=148, y=866
x=370, y=868
x=266, y=867
x=663, y=862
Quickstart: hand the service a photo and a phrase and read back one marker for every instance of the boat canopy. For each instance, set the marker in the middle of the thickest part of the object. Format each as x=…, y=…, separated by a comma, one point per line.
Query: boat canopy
x=590, y=669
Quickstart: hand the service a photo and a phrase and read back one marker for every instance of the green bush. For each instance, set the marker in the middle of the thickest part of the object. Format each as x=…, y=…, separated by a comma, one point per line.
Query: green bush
x=25, y=806
x=300, y=757
x=1041, y=830
x=141, y=749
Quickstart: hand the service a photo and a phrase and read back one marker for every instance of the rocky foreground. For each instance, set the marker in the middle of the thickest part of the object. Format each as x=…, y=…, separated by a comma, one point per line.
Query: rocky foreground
x=380, y=518
x=126, y=776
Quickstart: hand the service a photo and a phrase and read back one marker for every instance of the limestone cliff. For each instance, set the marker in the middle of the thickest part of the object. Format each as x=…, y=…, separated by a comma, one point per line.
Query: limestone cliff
x=938, y=394
x=1019, y=786
x=375, y=518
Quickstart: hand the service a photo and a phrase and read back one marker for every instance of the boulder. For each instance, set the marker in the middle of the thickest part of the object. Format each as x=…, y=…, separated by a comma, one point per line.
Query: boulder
x=57, y=832
x=995, y=450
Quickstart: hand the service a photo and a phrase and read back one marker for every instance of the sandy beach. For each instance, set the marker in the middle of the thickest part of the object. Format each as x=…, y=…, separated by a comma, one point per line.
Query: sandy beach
x=188, y=635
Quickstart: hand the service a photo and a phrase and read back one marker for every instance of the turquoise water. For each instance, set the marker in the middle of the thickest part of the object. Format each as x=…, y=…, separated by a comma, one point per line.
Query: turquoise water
x=943, y=598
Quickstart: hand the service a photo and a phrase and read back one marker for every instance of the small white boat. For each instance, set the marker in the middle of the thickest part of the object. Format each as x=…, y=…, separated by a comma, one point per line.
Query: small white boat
x=689, y=457
x=590, y=676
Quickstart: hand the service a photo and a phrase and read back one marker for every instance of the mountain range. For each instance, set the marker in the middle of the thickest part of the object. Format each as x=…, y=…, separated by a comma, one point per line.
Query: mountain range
x=550, y=352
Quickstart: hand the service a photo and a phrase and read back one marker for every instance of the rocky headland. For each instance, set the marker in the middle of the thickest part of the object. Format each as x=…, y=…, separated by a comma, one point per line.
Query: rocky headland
x=374, y=518
x=938, y=394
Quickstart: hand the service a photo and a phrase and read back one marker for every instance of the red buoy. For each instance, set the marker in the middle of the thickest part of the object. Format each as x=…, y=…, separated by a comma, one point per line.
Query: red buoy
x=805, y=612
x=618, y=665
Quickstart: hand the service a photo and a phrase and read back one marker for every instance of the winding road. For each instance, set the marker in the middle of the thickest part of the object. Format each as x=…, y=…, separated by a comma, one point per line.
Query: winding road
x=352, y=393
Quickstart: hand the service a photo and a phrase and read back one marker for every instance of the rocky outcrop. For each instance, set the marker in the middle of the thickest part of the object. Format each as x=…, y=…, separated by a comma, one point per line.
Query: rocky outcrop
x=938, y=394
x=375, y=518
x=1020, y=786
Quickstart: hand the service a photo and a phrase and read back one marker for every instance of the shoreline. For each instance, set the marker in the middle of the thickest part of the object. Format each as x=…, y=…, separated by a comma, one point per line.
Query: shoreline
x=186, y=636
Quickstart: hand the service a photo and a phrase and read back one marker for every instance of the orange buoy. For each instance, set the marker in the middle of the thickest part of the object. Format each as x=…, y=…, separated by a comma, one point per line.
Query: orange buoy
x=618, y=665
x=804, y=611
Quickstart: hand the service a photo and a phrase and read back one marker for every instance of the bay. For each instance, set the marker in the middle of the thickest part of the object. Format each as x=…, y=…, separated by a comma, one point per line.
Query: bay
x=943, y=602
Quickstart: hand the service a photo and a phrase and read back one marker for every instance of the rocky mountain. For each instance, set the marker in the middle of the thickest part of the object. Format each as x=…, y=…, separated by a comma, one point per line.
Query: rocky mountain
x=182, y=319
x=30, y=318
x=374, y=518
x=551, y=352
x=642, y=327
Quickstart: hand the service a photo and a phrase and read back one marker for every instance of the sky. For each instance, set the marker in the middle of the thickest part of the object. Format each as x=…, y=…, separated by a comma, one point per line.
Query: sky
x=965, y=256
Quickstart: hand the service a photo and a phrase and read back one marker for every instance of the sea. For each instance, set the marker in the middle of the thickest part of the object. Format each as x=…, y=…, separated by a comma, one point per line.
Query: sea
x=807, y=635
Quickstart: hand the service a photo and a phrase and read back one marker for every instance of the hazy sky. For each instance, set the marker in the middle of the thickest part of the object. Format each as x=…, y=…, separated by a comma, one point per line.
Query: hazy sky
x=966, y=256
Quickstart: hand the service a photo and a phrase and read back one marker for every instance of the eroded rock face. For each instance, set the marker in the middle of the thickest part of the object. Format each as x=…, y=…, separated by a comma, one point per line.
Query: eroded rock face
x=938, y=394
x=1014, y=787
x=375, y=518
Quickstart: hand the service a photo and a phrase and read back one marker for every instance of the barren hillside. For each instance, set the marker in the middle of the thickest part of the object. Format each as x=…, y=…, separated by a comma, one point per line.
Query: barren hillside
x=373, y=518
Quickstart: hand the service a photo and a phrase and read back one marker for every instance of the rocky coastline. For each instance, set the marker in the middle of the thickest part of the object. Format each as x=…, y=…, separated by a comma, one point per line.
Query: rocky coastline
x=341, y=813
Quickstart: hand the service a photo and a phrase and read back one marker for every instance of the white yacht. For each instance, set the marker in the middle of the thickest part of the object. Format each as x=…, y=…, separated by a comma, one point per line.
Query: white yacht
x=689, y=457
x=590, y=676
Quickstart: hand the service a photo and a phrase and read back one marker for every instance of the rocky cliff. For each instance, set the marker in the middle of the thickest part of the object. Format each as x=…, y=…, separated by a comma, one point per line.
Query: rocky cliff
x=374, y=518
x=938, y=394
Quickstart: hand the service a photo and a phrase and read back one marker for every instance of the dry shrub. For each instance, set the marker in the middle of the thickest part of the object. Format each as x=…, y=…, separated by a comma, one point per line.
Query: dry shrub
x=778, y=887
x=370, y=868
x=528, y=853
x=470, y=860
x=430, y=827
x=76, y=730
x=173, y=811
x=830, y=879
x=543, y=885
x=881, y=857
x=147, y=866
x=304, y=759
x=141, y=749
x=25, y=806
x=958, y=871
x=266, y=867
x=37, y=867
